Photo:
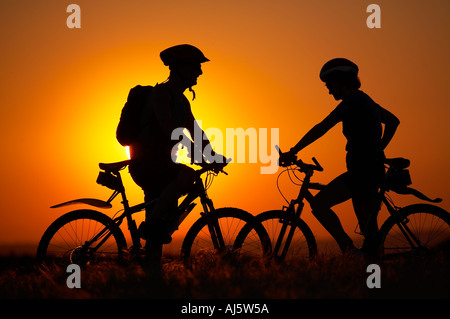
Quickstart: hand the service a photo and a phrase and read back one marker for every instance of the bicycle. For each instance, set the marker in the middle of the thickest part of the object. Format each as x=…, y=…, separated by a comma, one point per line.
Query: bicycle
x=409, y=230
x=86, y=235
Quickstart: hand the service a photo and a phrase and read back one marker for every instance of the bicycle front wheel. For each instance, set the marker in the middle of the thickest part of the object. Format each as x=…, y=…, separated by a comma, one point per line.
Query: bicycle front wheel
x=214, y=236
x=291, y=238
x=80, y=237
x=418, y=229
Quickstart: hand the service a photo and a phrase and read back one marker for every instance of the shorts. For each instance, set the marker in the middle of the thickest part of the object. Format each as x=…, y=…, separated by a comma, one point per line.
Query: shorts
x=365, y=180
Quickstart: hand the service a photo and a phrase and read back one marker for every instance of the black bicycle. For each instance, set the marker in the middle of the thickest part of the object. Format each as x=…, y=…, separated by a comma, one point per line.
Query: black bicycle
x=86, y=235
x=409, y=230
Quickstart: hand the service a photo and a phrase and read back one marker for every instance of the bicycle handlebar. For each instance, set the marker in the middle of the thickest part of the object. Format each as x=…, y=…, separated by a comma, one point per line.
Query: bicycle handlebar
x=318, y=166
x=296, y=161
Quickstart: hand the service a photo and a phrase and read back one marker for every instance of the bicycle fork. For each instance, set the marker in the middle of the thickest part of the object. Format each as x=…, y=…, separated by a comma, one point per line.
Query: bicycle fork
x=285, y=223
x=291, y=214
x=213, y=226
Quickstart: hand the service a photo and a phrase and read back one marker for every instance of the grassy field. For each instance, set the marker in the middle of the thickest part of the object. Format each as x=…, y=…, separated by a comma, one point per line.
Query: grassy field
x=328, y=277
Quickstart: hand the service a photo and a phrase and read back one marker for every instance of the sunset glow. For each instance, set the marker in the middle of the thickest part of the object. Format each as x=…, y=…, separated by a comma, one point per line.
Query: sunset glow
x=62, y=91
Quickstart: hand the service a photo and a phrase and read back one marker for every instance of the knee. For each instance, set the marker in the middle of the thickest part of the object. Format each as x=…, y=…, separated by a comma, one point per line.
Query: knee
x=185, y=178
x=186, y=174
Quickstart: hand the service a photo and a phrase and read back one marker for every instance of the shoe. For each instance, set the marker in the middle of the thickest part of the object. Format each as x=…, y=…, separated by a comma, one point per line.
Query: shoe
x=369, y=247
x=142, y=230
x=136, y=254
x=360, y=254
x=353, y=252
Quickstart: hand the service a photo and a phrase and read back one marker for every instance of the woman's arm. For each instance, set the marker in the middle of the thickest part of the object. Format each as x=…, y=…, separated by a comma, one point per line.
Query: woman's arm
x=391, y=123
x=316, y=132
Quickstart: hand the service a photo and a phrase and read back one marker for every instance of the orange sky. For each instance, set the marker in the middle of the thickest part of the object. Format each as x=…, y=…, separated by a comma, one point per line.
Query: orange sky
x=62, y=91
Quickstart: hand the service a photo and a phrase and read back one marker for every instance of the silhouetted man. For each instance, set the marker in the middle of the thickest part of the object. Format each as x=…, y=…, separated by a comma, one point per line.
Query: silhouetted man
x=362, y=120
x=152, y=166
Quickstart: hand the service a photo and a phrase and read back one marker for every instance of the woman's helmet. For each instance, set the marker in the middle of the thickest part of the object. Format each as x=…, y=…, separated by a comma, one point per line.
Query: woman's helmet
x=183, y=53
x=338, y=65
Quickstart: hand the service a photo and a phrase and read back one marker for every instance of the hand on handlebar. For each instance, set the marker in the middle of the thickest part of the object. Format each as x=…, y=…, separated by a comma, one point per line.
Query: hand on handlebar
x=290, y=158
x=286, y=159
x=217, y=165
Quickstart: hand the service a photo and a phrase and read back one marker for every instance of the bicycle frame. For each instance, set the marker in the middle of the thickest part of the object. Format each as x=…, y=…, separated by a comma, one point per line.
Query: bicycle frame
x=304, y=193
x=186, y=206
x=398, y=182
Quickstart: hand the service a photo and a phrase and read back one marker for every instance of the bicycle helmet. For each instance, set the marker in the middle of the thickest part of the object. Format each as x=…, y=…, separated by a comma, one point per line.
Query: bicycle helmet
x=338, y=65
x=182, y=53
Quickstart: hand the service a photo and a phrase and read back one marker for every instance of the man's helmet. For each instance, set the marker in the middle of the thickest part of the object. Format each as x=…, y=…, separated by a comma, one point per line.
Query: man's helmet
x=338, y=65
x=183, y=53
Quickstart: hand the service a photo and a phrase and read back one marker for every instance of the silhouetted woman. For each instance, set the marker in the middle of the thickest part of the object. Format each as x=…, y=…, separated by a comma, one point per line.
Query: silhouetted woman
x=362, y=121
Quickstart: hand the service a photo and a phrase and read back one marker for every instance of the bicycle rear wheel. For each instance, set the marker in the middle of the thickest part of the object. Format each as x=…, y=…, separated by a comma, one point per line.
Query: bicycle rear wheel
x=198, y=246
x=302, y=245
x=424, y=229
x=80, y=237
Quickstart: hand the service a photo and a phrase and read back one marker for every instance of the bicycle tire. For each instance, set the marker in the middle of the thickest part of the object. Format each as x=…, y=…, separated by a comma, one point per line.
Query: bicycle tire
x=64, y=238
x=430, y=224
x=197, y=247
x=303, y=245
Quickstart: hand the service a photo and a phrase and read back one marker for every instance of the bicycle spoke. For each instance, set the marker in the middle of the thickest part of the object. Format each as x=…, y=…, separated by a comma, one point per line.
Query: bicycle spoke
x=427, y=227
x=230, y=225
x=298, y=248
x=70, y=238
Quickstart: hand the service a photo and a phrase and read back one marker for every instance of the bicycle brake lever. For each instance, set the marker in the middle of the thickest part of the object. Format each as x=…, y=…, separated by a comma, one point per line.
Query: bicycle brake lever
x=218, y=168
x=319, y=168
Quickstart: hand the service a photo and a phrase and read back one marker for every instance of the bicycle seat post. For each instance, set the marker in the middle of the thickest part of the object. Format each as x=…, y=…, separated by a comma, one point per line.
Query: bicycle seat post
x=124, y=202
x=130, y=221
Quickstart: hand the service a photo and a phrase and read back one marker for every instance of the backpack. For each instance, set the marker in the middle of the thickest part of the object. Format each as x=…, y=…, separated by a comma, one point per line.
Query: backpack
x=130, y=119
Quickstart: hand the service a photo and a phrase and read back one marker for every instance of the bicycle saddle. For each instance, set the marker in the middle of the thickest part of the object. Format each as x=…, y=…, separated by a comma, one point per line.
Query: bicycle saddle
x=398, y=162
x=114, y=167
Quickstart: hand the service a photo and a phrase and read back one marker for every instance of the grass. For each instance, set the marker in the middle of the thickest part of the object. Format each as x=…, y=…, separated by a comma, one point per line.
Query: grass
x=327, y=277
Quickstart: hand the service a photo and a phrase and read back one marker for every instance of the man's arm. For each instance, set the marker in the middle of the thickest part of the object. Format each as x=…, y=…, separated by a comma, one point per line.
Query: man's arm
x=207, y=154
